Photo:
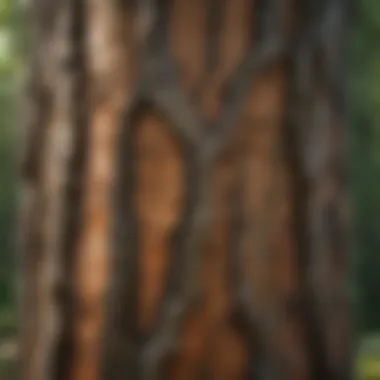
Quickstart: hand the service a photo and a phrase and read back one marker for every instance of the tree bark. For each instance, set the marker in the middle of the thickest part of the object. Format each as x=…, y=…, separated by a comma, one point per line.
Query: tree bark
x=183, y=211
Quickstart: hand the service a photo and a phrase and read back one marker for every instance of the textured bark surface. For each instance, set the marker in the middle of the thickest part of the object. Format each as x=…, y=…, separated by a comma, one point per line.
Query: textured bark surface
x=184, y=187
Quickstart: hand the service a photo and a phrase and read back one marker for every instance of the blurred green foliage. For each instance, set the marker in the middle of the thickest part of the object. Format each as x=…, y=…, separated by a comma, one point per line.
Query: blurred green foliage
x=364, y=124
x=368, y=363
x=8, y=69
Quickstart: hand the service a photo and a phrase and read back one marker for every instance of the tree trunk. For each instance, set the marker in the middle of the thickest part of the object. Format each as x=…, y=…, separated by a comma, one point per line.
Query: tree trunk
x=183, y=197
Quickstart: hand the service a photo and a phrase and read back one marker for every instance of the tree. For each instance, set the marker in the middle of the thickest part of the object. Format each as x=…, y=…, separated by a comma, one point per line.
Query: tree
x=183, y=214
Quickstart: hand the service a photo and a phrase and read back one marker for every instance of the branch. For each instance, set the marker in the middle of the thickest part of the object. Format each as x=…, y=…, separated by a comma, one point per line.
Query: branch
x=121, y=331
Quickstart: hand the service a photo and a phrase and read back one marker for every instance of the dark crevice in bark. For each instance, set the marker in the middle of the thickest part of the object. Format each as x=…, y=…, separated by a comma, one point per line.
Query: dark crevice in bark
x=183, y=282
x=242, y=314
x=153, y=25
x=214, y=15
x=121, y=336
x=74, y=192
x=215, y=11
x=268, y=18
x=301, y=188
x=258, y=326
x=313, y=169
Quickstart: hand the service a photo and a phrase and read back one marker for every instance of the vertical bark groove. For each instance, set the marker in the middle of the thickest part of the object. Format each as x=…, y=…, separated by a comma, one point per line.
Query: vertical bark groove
x=319, y=189
x=65, y=349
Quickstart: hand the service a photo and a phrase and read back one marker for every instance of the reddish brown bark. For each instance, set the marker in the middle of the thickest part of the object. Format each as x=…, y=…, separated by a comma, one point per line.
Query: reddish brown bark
x=198, y=230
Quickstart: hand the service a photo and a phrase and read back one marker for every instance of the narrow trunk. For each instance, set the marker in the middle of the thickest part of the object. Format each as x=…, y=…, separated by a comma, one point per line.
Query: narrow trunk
x=184, y=191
